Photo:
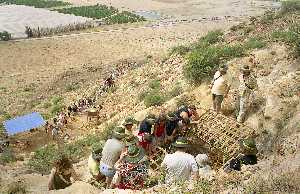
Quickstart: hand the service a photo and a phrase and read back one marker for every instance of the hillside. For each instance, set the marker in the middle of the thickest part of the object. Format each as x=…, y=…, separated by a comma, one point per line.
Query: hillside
x=164, y=81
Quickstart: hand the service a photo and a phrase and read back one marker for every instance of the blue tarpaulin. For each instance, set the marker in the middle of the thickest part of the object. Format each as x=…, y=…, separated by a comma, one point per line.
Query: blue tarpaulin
x=23, y=123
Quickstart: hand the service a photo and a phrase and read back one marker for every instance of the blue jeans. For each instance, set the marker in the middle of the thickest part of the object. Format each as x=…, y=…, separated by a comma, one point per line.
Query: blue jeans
x=107, y=170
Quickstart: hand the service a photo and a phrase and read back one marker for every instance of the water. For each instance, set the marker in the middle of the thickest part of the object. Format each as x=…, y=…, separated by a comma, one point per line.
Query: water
x=149, y=15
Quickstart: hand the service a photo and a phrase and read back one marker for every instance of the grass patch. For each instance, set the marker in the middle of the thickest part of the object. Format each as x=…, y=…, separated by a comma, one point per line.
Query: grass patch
x=94, y=11
x=124, y=17
x=290, y=37
x=72, y=86
x=36, y=3
x=154, y=98
x=255, y=43
x=288, y=6
x=155, y=84
x=110, y=14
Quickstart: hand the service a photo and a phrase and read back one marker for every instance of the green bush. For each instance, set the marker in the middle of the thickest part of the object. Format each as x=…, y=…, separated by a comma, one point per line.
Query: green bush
x=181, y=50
x=5, y=36
x=36, y=3
x=43, y=159
x=212, y=37
x=201, y=63
x=290, y=6
x=230, y=52
x=254, y=43
x=154, y=98
x=56, y=100
x=56, y=108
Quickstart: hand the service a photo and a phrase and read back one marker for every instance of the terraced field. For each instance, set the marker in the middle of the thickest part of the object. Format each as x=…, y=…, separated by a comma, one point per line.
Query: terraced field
x=14, y=18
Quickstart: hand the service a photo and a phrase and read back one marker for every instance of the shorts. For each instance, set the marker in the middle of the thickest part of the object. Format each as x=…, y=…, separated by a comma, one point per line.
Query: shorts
x=218, y=98
x=107, y=170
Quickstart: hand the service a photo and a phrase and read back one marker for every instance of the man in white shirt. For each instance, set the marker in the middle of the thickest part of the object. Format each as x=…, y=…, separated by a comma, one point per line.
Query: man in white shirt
x=111, y=153
x=180, y=166
x=220, y=88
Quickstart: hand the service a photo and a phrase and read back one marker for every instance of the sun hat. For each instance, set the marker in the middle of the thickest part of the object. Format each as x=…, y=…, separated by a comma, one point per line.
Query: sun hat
x=245, y=69
x=119, y=132
x=171, y=116
x=135, y=154
x=129, y=121
x=151, y=118
x=131, y=140
x=248, y=146
x=181, y=142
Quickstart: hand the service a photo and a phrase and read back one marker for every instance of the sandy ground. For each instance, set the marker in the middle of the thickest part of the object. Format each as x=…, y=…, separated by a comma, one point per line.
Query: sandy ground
x=14, y=18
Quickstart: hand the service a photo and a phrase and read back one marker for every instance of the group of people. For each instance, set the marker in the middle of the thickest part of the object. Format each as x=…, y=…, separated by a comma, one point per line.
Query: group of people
x=123, y=162
x=221, y=84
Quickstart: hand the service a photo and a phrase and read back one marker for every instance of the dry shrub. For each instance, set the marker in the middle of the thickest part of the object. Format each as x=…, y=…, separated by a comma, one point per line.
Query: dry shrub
x=274, y=181
x=41, y=32
x=17, y=187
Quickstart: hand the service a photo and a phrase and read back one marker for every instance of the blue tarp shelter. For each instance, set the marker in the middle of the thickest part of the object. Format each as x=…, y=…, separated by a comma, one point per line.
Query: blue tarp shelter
x=23, y=123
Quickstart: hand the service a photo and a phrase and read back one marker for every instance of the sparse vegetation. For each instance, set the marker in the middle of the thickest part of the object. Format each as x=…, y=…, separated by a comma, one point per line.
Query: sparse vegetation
x=44, y=157
x=5, y=36
x=281, y=182
x=154, y=98
x=124, y=17
x=181, y=50
x=255, y=43
x=7, y=156
x=175, y=91
x=36, y=3
x=17, y=187
x=289, y=6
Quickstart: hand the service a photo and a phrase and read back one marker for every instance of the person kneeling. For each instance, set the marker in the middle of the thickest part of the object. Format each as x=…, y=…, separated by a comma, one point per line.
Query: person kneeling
x=61, y=174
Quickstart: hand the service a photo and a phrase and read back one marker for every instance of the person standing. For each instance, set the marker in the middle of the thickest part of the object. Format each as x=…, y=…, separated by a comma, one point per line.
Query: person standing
x=111, y=153
x=180, y=166
x=248, y=84
x=220, y=88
